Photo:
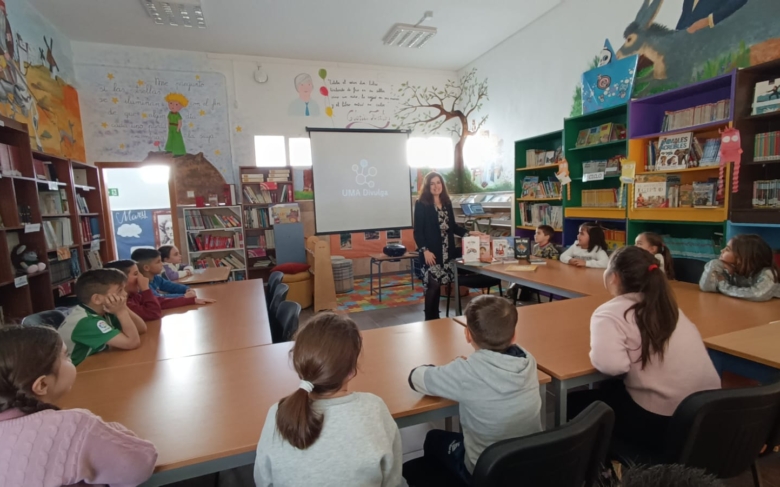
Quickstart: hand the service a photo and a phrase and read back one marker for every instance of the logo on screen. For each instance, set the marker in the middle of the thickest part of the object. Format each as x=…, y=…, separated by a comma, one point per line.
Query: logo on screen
x=363, y=173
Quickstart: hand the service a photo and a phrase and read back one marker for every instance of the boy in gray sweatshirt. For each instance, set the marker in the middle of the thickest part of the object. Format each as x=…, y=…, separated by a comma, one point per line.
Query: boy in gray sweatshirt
x=497, y=388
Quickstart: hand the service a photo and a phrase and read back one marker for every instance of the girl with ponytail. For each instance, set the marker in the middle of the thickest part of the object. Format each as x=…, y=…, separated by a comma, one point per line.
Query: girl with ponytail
x=323, y=434
x=643, y=336
x=57, y=447
x=654, y=243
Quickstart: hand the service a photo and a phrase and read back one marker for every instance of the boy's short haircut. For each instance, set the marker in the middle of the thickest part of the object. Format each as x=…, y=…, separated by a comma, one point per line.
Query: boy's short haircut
x=547, y=230
x=122, y=265
x=165, y=252
x=144, y=256
x=491, y=321
x=97, y=281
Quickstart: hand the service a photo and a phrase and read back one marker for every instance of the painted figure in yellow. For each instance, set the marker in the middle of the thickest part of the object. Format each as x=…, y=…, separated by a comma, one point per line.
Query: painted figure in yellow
x=175, y=143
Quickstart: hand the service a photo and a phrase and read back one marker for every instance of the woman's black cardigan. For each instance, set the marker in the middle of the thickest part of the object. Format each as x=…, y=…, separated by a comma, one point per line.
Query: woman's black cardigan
x=427, y=233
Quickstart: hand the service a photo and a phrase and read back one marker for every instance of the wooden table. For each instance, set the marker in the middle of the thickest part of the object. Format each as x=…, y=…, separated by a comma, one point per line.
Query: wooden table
x=209, y=274
x=379, y=259
x=205, y=412
x=239, y=319
x=754, y=351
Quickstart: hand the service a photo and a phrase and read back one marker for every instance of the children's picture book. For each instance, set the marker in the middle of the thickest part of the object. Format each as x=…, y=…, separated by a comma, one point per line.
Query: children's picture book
x=650, y=191
x=704, y=194
x=536, y=260
x=289, y=213
x=686, y=195
x=484, y=249
x=674, y=152
x=605, y=132
x=608, y=85
x=582, y=138
x=501, y=249
x=593, y=136
x=522, y=247
x=766, y=92
x=470, y=249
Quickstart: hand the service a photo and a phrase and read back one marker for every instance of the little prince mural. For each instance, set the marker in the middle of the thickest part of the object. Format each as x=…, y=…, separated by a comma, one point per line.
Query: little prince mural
x=175, y=143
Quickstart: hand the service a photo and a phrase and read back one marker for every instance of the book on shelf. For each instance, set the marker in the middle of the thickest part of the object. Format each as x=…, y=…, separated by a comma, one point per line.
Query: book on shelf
x=263, y=241
x=767, y=147
x=652, y=190
x=90, y=228
x=675, y=152
x=81, y=202
x=230, y=261
x=10, y=160
x=604, y=133
x=285, y=213
x=256, y=217
x=93, y=260
x=25, y=214
x=600, y=198
x=534, y=188
x=766, y=97
x=705, y=193
x=765, y=193
x=265, y=193
x=58, y=233
x=614, y=238
x=698, y=115
x=199, y=220
x=533, y=215
x=541, y=158
x=52, y=203
x=208, y=241
x=80, y=177
x=710, y=153
x=229, y=194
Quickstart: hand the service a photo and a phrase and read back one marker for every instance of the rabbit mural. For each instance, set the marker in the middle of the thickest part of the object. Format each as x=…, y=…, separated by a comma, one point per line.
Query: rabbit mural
x=678, y=55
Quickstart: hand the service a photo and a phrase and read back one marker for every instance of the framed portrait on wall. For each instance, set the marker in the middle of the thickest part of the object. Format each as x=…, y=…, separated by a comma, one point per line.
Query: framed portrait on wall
x=163, y=224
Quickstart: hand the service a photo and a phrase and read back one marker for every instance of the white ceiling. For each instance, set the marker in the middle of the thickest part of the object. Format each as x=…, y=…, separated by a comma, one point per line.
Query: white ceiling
x=348, y=31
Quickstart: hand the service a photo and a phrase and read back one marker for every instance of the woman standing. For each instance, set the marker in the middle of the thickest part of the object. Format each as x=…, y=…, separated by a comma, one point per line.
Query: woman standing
x=434, y=233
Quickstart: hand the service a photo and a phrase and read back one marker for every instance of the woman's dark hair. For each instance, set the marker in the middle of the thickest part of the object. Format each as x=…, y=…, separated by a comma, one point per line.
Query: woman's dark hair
x=426, y=197
x=753, y=256
x=656, y=313
x=26, y=353
x=596, y=234
x=165, y=252
x=325, y=353
x=658, y=241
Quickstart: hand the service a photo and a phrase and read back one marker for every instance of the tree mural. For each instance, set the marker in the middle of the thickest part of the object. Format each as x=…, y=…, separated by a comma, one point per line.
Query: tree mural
x=430, y=109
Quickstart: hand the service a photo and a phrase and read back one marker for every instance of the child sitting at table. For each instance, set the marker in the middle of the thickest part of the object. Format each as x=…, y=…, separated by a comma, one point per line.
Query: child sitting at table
x=173, y=269
x=45, y=446
x=140, y=298
x=590, y=249
x=102, y=318
x=643, y=336
x=654, y=243
x=322, y=434
x=544, y=248
x=746, y=269
x=497, y=388
x=150, y=264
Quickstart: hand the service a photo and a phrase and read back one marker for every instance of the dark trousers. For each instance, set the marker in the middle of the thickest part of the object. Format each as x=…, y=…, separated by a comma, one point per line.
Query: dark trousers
x=448, y=449
x=633, y=423
x=432, y=297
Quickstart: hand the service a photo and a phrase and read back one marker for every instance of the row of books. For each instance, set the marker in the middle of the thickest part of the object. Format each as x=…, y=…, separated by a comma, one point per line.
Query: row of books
x=264, y=263
x=600, y=198
x=533, y=188
x=256, y=218
x=667, y=191
x=698, y=115
x=197, y=220
x=54, y=202
x=274, y=175
x=65, y=270
x=93, y=260
x=692, y=248
x=58, y=233
x=264, y=241
x=765, y=193
x=682, y=151
x=81, y=202
x=535, y=214
x=45, y=170
x=539, y=158
x=602, y=134
x=209, y=241
x=609, y=167
x=268, y=193
x=614, y=238
x=766, y=97
x=10, y=160
x=232, y=261
x=90, y=228
x=767, y=147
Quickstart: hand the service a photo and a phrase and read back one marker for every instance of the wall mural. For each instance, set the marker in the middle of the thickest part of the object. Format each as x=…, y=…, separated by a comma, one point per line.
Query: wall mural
x=35, y=77
x=712, y=37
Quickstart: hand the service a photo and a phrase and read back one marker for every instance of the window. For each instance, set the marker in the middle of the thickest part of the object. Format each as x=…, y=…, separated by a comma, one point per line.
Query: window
x=269, y=151
x=479, y=150
x=432, y=152
x=300, y=151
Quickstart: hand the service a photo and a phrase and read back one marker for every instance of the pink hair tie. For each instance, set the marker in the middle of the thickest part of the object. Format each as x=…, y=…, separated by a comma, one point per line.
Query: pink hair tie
x=652, y=267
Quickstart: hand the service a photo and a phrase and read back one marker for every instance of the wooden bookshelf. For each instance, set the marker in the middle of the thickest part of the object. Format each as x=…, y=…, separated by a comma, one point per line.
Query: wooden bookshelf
x=204, y=223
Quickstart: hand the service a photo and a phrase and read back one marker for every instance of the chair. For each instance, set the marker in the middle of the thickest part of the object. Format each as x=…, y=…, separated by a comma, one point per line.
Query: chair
x=52, y=318
x=280, y=295
x=720, y=431
x=569, y=455
x=273, y=280
x=474, y=281
x=688, y=270
x=287, y=316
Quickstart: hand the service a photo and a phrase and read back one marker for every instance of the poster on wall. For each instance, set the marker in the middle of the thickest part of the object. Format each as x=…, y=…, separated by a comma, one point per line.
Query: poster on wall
x=131, y=113
x=134, y=229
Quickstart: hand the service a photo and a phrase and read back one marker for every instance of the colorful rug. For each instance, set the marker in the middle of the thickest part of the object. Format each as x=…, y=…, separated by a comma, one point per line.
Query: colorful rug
x=361, y=299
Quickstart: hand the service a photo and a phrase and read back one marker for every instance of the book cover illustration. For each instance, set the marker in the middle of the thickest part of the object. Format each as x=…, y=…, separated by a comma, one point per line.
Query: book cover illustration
x=650, y=191
x=674, y=152
x=470, y=249
x=522, y=247
x=484, y=249
x=501, y=249
x=282, y=214
x=608, y=85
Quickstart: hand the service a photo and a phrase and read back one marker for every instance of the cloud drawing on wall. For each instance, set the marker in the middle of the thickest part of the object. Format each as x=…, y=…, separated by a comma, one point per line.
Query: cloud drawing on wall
x=129, y=230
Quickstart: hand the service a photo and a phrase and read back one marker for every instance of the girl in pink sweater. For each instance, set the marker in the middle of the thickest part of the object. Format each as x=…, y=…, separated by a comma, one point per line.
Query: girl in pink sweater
x=42, y=446
x=643, y=336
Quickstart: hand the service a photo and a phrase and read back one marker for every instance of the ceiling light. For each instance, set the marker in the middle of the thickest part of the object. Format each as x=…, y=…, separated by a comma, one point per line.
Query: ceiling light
x=412, y=36
x=180, y=12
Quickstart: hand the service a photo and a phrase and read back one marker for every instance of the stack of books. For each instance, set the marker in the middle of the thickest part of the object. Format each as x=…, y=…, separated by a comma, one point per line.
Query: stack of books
x=608, y=132
x=248, y=178
x=196, y=220
x=539, y=158
x=767, y=147
x=765, y=193
x=279, y=175
x=699, y=115
x=766, y=97
x=533, y=188
x=533, y=215
x=600, y=198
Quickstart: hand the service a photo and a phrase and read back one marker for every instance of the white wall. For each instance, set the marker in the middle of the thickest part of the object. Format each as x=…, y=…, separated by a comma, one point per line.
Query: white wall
x=134, y=192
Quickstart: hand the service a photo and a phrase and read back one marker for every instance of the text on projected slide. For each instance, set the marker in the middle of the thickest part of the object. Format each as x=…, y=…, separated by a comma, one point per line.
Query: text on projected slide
x=364, y=176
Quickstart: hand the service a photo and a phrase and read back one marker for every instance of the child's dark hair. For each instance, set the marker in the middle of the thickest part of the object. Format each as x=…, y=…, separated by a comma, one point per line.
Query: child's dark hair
x=144, y=256
x=596, y=236
x=325, y=354
x=658, y=241
x=666, y=476
x=97, y=281
x=26, y=353
x=165, y=252
x=547, y=230
x=753, y=256
x=491, y=320
x=656, y=312
x=123, y=265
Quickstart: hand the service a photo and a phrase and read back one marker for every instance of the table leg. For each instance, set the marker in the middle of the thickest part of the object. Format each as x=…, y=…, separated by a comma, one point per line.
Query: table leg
x=560, y=402
x=543, y=394
x=448, y=424
x=371, y=276
x=411, y=273
x=457, y=288
x=379, y=275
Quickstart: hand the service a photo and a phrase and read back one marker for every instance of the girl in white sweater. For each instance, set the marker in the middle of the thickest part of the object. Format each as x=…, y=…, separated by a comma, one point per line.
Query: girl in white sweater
x=654, y=243
x=589, y=250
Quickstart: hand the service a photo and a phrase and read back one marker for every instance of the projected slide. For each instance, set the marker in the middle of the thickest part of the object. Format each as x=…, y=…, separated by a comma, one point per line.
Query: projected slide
x=361, y=180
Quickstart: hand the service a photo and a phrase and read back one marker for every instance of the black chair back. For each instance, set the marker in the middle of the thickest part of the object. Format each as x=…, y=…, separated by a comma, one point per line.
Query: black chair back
x=688, y=270
x=52, y=318
x=273, y=280
x=287, y=316
x=280, y=295
x=723, y=431
x=569, y=455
